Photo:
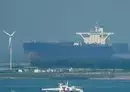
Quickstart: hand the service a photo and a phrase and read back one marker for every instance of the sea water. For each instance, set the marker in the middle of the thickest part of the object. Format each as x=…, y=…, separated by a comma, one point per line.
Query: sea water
x=35, y=85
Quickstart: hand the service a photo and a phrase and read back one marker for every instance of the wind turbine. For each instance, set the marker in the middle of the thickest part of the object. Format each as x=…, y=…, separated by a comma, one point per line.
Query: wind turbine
x=10, y=47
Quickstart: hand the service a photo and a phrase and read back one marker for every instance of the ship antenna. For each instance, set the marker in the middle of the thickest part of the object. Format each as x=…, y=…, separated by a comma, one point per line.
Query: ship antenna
x=10, y=46
x=97, y=26
x=67, y=83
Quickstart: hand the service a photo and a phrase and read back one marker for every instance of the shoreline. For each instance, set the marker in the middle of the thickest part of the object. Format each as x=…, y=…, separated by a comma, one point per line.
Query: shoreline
x=13, y=78
x=116, y=78
x=68, y=76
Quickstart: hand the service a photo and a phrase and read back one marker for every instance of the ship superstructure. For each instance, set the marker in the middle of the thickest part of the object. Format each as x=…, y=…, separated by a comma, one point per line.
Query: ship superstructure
x=96, y=36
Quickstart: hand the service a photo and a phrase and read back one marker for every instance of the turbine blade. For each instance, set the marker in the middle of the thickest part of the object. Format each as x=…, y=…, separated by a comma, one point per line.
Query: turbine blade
x=6, y=33
x=13, y=33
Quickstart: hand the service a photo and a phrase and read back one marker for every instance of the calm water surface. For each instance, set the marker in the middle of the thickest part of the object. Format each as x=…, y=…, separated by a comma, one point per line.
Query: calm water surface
x=35, y=85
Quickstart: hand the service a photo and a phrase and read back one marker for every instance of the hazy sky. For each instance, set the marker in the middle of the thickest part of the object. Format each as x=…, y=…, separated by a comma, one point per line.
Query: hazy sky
x=52, y=20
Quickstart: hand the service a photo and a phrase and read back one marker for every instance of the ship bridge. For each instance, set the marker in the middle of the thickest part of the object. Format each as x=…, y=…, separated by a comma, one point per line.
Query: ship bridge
x=96, y=36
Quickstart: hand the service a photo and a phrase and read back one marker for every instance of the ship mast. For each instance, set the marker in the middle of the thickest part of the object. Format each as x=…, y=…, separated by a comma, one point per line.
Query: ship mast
x=97, y=36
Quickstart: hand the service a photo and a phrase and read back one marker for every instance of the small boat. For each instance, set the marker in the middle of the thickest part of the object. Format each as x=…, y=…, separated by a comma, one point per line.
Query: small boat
x=63, y=88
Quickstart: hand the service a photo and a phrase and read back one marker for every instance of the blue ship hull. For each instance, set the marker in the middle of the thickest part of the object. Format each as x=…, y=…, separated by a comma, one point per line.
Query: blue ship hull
x=57, y=54
x=84, y=63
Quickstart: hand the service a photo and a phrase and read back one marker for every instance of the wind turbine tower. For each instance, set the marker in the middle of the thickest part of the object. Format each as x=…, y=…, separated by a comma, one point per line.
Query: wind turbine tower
x=10, y=47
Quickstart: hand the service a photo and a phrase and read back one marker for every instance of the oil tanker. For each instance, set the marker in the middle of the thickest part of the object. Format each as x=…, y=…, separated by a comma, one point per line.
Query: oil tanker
x=92, y=51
